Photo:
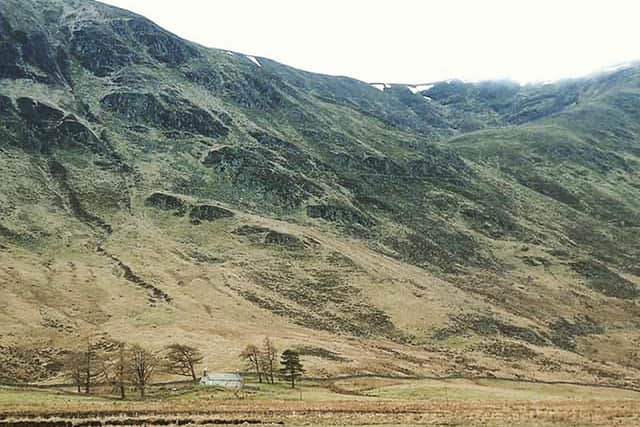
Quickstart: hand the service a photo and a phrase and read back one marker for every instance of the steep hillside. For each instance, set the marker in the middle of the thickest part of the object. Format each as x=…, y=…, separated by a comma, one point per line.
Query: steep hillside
x=154, y=190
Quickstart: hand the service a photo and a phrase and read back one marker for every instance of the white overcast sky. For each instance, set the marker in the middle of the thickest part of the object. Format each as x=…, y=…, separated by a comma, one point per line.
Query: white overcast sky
x=413, y=41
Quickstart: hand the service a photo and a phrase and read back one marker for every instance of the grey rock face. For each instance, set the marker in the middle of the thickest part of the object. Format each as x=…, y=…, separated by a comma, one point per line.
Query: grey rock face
x=178, y=114
x=99, y=51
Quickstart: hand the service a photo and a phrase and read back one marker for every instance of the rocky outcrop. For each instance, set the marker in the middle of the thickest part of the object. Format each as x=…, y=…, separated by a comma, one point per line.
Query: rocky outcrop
x=227, y=156
x=548, y=187
x=100, y=51
x=70, y=131
x=433, y=164
x=492, y=222
x=602, y=279
x=6, y=106
x=339, y=214
x=250, y=230
x=30, y=55
x=439, y=246
x=167, y=202
x=160, y=44
x=437, y=163
x=564, y=332
x=287, y=152
x=12, y=65
x=257, y=91
x=197, y=212
x=382, y=165
x=288, y=241
x=208, y=213
x=490, y=326
x=175, y=114
x=264, y=174
x=43, y=127
x=103, y=49
x=267, y=236
x=39, y=112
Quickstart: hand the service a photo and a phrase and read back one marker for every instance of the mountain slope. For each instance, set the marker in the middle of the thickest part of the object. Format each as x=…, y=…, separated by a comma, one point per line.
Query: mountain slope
x=154, y=190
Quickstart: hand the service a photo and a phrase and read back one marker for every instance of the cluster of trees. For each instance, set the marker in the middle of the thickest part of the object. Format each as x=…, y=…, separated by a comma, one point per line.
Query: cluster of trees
x=128, y=366
x=132, y=366
x=263, y=360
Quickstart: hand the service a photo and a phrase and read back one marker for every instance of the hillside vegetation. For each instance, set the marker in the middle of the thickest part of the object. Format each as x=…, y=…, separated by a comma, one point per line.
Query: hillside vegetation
x=153, y=190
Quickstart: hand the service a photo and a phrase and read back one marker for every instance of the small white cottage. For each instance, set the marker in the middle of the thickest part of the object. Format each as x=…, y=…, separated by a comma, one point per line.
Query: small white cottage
x=222, y=380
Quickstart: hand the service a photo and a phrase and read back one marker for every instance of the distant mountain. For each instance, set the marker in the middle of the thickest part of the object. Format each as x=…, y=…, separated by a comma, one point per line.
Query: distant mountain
x=153, y=190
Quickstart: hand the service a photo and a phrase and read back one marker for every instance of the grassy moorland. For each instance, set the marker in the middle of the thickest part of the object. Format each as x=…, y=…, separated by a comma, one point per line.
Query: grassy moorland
x=370, y=401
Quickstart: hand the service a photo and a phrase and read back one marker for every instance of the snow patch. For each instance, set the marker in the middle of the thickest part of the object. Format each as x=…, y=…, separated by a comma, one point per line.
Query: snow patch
x=419, y=88
x=618, y=67
x=379, y=86
x=228, y=52
x=254, y=60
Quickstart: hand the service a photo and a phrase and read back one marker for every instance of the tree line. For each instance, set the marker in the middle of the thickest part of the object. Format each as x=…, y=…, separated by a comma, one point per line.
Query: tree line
x=129, y=365
x=132, y=366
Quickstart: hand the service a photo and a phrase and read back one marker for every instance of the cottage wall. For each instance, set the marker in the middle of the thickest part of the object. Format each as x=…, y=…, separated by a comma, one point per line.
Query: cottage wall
x=222, y=380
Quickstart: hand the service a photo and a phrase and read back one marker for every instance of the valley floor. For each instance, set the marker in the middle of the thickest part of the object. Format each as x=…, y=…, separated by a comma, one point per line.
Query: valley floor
x=353, y=402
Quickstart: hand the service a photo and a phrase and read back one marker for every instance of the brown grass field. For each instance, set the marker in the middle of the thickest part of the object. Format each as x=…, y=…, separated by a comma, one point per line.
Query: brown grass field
x=361, y=402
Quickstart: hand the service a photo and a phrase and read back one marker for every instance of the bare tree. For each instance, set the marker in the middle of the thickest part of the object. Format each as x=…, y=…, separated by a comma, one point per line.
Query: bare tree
x=84, y=367
x=91, y=370
x=251, y=354
x=269, y=359
x=182, y=360
x=143, y=366
x=73, y=366
x=118, y=369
